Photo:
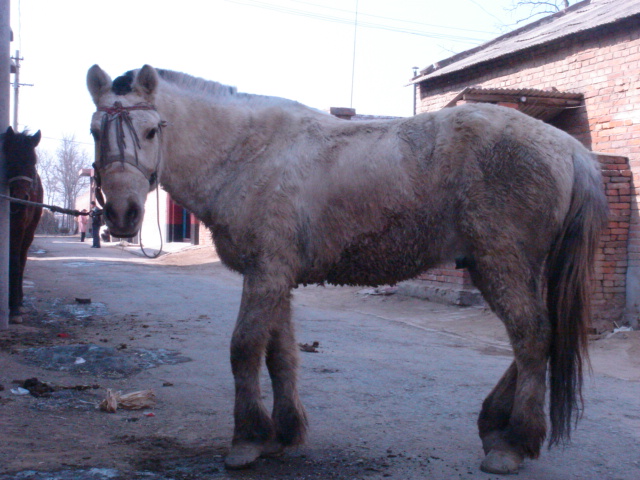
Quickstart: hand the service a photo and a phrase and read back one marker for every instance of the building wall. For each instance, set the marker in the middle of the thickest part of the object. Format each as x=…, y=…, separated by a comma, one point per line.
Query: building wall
x=605, y=68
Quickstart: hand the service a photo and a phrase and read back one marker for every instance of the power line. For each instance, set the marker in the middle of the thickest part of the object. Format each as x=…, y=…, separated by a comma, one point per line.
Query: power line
x=394, y=19
x=366, y=24
x=353, y=63
x=485, y=10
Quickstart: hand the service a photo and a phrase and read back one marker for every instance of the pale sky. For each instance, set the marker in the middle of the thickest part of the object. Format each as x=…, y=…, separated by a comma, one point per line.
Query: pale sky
x=297, y=49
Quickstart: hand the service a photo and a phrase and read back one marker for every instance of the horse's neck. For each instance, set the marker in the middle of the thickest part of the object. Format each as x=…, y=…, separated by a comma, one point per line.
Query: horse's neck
x=202, y=136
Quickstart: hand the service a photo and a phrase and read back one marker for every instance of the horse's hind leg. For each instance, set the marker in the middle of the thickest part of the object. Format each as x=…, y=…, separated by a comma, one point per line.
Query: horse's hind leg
x=512, y=422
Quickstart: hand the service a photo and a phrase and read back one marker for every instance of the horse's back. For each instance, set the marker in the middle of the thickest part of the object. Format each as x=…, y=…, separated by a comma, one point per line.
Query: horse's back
x=424, y=190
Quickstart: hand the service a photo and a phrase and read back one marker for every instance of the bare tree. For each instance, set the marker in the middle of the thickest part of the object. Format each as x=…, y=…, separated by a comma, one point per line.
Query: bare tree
x=46, y=166
x=526, y=10
x=67, y=182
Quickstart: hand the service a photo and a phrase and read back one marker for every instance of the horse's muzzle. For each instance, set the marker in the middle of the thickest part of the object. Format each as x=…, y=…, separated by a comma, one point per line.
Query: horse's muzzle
x=123, y=222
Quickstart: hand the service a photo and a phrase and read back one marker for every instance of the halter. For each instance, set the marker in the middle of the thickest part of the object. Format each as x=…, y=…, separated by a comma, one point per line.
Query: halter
x=32, y=187
x=120, y=117
x=20, y=177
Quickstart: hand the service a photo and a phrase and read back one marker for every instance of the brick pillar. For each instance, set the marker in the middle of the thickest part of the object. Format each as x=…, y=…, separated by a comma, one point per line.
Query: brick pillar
x=609, y=299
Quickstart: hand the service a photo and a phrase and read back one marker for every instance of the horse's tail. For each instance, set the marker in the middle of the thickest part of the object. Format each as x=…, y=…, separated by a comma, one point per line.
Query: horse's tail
x=569, y=273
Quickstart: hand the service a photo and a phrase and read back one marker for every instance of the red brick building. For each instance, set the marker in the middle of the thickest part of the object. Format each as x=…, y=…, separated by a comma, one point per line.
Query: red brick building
x=579, y=70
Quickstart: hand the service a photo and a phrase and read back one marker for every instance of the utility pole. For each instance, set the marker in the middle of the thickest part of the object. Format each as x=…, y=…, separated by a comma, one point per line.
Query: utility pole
x=15, y=69
x=16, y=88
x=5, y=93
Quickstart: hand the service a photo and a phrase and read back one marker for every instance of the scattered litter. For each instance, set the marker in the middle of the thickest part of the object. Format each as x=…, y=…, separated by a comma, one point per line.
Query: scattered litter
x=164, y=384
x=82, y=309
x=39, y=388
x=20, y=391
x=622, y=329
x=619, y=330
x=79, y=361
x=63, y=335
x=313, y=348
x=383, y=291
x=101, y=360
x=149, y=414
x=130, y=401
x=74, y=474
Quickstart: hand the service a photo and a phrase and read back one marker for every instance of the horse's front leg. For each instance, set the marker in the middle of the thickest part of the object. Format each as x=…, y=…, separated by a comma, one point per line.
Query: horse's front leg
x=288, y=415
x=15, y=282
x=265, y=307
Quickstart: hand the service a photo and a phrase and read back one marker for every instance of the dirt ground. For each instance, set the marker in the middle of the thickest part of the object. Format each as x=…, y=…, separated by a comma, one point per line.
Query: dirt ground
x=392, y=388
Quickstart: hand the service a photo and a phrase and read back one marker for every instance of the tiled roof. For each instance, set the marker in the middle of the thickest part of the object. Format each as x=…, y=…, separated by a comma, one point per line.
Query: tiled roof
x=580, y=17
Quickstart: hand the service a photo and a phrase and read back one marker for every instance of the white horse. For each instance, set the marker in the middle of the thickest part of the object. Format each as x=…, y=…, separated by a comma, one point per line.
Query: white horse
x=295, y=196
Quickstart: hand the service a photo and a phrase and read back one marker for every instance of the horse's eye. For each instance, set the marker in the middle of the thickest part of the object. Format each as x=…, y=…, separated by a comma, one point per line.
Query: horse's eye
x=151, y=133
x=95, y=134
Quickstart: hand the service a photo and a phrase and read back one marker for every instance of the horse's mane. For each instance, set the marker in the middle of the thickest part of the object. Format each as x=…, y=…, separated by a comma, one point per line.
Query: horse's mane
x=196, y=84
x=220, y=91
x=122, y=85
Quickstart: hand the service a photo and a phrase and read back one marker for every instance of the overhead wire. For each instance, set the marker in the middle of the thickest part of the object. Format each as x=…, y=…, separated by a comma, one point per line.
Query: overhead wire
x=367, y=24
x=394, y=19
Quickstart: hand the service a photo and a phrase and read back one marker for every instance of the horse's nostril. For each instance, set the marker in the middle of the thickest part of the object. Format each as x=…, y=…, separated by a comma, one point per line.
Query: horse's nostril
x=132, y=215
x=109, y=213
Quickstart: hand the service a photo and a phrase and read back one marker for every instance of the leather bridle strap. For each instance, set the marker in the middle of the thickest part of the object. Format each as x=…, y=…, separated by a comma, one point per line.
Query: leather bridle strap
x=20, y=177
x=118, y=115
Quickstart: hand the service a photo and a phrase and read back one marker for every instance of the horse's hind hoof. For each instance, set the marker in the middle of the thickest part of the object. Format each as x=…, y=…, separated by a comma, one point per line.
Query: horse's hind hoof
x=15, y=318
x=243, y=455
x=501, y=462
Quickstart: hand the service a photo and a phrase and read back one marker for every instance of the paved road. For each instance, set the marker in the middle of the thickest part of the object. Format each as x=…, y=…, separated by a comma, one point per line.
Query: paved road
x=393, y=391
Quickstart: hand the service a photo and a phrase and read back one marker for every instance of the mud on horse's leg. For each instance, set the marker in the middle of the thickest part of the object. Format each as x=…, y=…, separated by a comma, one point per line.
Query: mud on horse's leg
x=258, y=330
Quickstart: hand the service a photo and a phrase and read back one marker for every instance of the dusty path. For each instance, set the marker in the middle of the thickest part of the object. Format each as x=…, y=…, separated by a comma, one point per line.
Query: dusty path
x=393, y=391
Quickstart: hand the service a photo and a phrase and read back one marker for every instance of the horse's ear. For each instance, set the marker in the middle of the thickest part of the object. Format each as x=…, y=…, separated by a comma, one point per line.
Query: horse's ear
x=35, y=138
x=98, y=82
x=146, y=81
x=10, y=132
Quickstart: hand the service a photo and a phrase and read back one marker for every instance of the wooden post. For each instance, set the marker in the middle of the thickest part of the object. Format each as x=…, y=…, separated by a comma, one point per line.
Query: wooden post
x=5, y=90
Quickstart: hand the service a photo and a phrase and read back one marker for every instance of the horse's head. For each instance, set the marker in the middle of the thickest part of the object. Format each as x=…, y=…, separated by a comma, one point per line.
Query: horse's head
x=20, y=151
x=127, y=131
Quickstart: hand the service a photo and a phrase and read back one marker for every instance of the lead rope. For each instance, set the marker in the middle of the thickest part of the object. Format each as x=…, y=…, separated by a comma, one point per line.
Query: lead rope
x=53, y=208
x=155, y=180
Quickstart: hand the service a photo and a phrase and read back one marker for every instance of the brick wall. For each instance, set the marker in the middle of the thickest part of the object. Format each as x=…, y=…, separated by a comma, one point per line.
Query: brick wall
x=605, y=67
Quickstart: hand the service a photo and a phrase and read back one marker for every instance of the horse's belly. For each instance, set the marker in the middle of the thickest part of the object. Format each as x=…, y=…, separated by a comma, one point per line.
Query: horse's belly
x=398, y=254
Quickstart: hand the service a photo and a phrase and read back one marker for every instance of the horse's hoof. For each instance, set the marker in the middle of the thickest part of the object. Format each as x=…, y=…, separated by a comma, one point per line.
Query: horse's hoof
x=16, y=318
x=501, y=462
x=272, y=448
x=243, y=455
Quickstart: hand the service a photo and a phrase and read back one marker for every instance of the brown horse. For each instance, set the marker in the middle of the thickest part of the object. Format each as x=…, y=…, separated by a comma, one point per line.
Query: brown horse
x=295, y=196
x=24, y=183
